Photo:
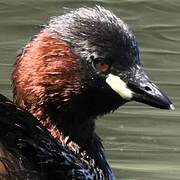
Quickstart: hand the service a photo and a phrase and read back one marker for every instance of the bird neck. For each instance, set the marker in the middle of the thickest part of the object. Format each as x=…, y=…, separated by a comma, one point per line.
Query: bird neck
x=72, y=132
x=80, y=138
x=69, y=123
x=74, y=120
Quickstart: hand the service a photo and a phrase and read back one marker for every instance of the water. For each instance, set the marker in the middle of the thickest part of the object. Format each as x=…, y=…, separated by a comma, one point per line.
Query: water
x=141, y=143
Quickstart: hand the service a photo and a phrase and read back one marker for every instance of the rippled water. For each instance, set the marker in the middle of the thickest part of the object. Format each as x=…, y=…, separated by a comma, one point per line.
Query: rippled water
x=141, y=143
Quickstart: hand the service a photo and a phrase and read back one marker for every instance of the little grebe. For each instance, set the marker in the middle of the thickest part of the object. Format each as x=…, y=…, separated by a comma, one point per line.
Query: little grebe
x=82, y=65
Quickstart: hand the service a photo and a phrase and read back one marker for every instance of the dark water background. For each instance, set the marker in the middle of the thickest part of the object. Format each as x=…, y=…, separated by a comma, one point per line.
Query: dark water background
x=141, y=143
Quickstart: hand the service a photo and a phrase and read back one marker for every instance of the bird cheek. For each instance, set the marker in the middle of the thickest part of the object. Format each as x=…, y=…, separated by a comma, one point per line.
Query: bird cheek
x=119, y=86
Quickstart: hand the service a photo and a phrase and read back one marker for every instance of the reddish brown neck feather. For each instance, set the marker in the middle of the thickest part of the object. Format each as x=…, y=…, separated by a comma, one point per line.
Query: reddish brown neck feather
x=46, y=74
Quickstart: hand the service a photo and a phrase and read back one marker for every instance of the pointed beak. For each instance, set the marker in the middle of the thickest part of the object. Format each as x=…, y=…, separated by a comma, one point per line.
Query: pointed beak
x=145, y=91
x=134, y=84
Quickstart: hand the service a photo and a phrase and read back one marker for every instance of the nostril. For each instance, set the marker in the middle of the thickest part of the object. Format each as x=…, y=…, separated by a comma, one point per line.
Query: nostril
x=147, y=88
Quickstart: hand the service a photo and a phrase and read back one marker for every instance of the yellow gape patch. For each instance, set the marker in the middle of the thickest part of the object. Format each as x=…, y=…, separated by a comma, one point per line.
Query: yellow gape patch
x=119, y=86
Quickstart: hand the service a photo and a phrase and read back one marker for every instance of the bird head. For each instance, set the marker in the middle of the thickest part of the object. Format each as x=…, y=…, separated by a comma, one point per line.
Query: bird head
x=83, y=64
x=109, y=50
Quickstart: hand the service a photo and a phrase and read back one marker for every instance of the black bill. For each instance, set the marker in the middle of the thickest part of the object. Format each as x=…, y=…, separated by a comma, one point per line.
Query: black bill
x=145, y=91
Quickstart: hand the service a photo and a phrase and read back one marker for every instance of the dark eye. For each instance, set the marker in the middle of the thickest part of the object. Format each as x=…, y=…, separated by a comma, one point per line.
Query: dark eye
x=99, y=64
x=102, y=67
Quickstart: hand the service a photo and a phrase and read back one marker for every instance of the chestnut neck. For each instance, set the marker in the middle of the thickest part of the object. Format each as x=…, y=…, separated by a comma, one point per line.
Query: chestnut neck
x=53, y=84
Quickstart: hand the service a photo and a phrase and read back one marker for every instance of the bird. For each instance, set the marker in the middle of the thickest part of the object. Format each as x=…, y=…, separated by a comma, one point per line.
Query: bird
x=80, y=66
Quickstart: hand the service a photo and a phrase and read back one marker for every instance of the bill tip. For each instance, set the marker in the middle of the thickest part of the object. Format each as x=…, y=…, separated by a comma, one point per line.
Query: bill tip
x=172, y=107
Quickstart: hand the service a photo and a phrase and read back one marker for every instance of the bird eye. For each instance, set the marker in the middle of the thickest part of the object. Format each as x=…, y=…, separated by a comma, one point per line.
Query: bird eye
x=99, y=65
x=102, y=67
